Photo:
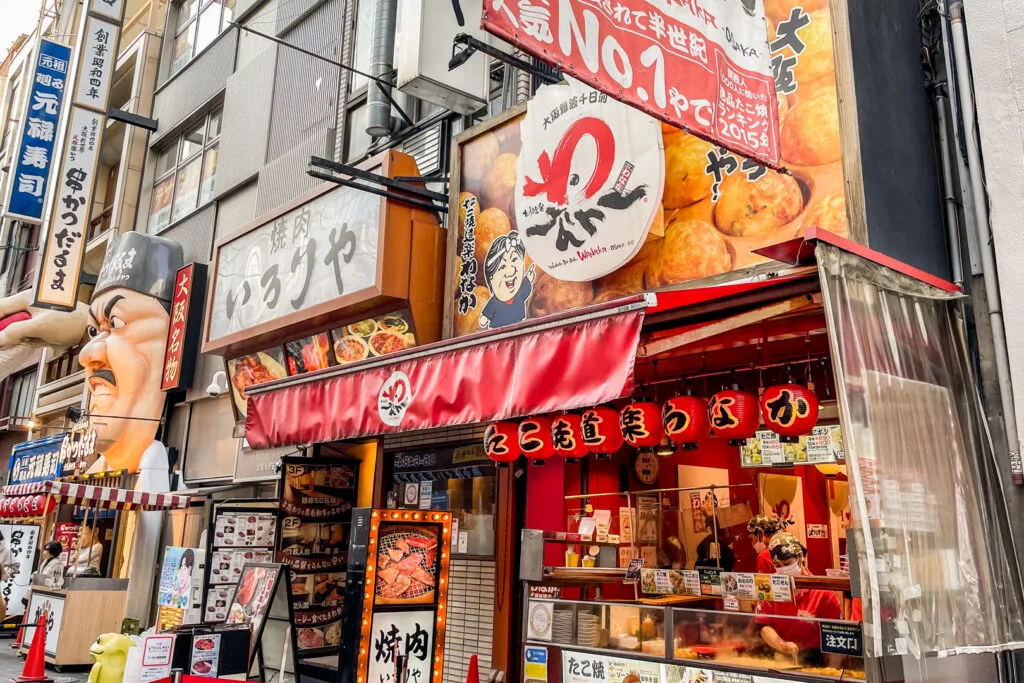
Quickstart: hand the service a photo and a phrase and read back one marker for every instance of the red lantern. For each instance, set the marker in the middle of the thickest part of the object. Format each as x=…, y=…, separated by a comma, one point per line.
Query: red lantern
x=5, y=507
x=22, y=507
x=37, y=504
x=789, y=410
x=49, y=505
x=686, y=420
x=734, y=415
x=535, y=439
x=567, y=436
x=601, y=433
x=641, y=424
x=501, y=441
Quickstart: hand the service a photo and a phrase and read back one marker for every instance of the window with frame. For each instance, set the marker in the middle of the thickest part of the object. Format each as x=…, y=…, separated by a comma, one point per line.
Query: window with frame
x=198, y=23
x=185, y=172
x=23, y=395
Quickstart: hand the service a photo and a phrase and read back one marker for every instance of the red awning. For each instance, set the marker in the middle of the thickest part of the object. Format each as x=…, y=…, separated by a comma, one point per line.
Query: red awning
x=99, y=496
x=562, y=362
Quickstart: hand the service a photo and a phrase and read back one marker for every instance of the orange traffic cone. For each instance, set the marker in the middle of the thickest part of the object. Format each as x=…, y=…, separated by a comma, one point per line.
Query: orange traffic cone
x=35, y=663
x=473, y=675
x=21, y=631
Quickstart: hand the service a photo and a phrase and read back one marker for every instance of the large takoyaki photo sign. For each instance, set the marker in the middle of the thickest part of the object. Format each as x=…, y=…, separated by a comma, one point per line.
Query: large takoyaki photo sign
x=576, y=199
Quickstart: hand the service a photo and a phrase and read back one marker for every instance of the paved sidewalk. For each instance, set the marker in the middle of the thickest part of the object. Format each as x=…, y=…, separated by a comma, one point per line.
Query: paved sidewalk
x=11, y=665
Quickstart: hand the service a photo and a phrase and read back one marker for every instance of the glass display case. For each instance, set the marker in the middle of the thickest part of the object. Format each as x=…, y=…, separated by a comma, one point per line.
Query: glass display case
x=685, y=641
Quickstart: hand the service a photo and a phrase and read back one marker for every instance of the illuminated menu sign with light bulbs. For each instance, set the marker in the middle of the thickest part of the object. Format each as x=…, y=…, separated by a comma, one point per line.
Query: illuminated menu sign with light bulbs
x=405, y=595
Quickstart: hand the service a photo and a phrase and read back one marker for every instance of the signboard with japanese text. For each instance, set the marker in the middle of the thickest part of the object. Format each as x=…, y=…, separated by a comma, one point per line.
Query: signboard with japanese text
x=23, y=542
x=716, y=209
x=579, y=230
x=316, y=511
x=701, y=65
x=52, y=604
x=404, y=608
x=68, y=216
x=183, y=333
x=841, y=638
x=37, y=460
x=585, y=667
x=96, y=65
x=33, y=156
x=337, y=261
x=823, y=445
x=406, y=636
x=69, y=221
x=317, y=252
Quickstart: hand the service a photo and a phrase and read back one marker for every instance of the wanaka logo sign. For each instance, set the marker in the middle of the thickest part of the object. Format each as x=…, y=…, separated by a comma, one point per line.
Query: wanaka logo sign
x=590, y=180
x=394, y=398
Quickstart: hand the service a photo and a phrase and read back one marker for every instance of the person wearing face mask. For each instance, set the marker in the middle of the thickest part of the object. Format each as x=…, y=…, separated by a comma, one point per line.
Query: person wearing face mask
x=760, y=529
x=793, y=637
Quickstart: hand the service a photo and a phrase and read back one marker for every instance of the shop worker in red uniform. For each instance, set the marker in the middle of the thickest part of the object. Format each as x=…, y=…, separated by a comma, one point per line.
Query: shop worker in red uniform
x=792, y=636
x=761, y=529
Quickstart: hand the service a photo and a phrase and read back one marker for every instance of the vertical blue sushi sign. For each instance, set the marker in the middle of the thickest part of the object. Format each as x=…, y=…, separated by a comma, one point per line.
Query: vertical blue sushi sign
x=38, y=133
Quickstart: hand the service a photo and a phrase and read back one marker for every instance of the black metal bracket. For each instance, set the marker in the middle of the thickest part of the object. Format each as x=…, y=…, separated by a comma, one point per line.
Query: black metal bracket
x=374, y=183
x=473, y=44
x=133, y=119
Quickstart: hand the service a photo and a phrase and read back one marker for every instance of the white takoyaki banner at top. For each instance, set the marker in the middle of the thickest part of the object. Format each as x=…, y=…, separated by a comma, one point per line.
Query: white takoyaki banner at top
x=701, y=65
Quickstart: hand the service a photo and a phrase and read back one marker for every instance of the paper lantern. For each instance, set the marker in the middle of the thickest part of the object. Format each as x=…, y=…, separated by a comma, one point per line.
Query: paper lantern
x=686, y=420
x=535, y=439
x=22, y=506
x=501, y=441
x=5, y=507
x=601, y=433
x=734, y=415
x=37, y=504
x=641, y=424
x=48, y=504
x=567, y=436
x=789, y=410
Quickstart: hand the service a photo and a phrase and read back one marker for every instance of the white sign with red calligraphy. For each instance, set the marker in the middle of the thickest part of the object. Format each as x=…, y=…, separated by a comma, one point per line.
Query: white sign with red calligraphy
x=589, y=183
x=702, y=65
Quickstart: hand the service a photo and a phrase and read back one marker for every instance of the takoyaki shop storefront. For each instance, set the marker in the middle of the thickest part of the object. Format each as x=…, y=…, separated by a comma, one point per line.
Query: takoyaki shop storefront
x=782, y=478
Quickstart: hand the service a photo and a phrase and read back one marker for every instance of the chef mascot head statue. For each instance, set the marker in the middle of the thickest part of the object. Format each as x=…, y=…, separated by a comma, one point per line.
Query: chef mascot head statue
x=125, y=332
x=123, y=356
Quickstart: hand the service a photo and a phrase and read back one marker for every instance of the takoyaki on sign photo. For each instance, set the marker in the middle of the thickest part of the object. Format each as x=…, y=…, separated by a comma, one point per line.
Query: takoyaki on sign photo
x=547, y=189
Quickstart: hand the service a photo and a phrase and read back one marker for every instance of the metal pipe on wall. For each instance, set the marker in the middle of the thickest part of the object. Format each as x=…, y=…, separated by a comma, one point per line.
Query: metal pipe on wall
x=992, y=294
x=948, y=195
x=382, y=53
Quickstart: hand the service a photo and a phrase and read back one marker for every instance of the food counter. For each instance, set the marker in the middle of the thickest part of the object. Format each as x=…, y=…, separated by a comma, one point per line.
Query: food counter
x=85, y=608
x=575, y=641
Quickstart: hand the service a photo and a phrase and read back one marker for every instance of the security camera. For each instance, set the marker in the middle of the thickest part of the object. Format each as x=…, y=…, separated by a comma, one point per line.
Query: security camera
x=219, y=385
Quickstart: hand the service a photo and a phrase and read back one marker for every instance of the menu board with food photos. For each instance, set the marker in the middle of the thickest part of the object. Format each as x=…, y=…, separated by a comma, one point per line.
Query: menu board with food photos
x=239, y=536
x=256, y=589
x=368, y=338
x=373, y=337
x=254, y=368
x=316, y=512
x=716, y=207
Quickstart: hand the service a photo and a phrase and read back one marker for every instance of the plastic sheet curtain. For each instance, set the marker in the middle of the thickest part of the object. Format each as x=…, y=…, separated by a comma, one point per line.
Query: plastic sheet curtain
x=930, y=523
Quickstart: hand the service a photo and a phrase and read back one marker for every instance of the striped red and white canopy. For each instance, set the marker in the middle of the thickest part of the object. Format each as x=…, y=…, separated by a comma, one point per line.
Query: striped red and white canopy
x=100, y=496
